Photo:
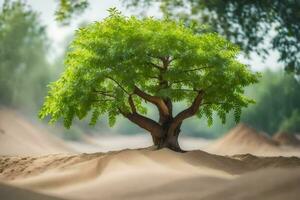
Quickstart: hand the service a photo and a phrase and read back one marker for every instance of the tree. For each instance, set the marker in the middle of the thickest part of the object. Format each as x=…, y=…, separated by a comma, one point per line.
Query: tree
x=23, y=63
x=247, y=23
x=68, y=8
x=116, y=66
x=271, y=111
x=291, y=124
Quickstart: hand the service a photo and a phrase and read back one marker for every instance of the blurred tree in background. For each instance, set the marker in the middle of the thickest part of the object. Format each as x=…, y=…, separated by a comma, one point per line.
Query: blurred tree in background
x=23, y=64
x=255, y=25
x=292, y=123
x=277, y=103
x=68, y=9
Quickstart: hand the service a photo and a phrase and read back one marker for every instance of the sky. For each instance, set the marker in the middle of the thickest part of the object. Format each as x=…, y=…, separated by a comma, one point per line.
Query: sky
x=97, y=11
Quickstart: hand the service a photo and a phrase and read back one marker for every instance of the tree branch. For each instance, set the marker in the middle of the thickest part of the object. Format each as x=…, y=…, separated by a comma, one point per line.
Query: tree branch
x=166, y=61
x=189, y=112
x=117, y=84
x=209, y=103
x=162, y=107
x=153, y=77
x=169, y=104
x=105, y=93
x=148, y=124
x=172, y=59
x=131, y=103
x=180, y=81
x=187, y=90
x=195, y=69
x=154, y=65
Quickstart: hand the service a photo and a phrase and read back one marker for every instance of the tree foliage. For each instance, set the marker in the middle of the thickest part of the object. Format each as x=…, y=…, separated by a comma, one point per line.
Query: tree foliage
x=117, y=65
x=277, y=97
x=69, y=8
x=23, y=65
x=292, y=123
x=248, y=23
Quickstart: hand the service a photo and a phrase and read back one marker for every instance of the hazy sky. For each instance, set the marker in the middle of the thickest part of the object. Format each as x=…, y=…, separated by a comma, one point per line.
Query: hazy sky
x=97, y=11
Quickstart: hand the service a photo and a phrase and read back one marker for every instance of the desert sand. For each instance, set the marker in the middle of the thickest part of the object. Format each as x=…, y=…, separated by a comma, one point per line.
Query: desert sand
x=155, y=174
x=8, y=192
x=288, y=139
x=19, y=136
x=243, y=139
x=36, y=165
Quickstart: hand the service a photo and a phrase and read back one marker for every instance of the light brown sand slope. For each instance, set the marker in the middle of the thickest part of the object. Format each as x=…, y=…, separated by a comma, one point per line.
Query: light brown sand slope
x=288, y=139
x=268, y=184
x=243, y=139
x=19, y=136
x=8, y=192
x=148, y=174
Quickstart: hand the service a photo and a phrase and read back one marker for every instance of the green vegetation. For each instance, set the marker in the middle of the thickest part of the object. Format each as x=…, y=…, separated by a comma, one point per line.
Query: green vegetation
x=68, y=9
x=277, y=98
x=116, y=65
x=291, y=124
x=277, y=108
x=23, y=63
x=25, y=71
x=247, y=23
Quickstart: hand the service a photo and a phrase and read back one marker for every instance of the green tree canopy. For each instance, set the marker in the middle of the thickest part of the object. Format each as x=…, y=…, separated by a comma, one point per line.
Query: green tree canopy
x=23, y=63
x=292, y=123
x=277, y=97
x=68, y=8
x=116, y=65
x=248, y=23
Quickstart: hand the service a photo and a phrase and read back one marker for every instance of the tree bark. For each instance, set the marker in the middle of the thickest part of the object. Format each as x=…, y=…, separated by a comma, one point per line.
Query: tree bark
x=166, y=131
x=156, y=140
x=168, y=139
x=171, y=141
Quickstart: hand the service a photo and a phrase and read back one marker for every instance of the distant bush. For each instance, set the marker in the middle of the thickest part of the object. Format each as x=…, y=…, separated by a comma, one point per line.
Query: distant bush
x=277, y=97
x=292, y=123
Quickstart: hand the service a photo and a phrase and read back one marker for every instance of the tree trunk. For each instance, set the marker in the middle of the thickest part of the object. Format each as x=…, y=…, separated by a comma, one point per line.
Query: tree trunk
x=169, y=140
x=156, y=140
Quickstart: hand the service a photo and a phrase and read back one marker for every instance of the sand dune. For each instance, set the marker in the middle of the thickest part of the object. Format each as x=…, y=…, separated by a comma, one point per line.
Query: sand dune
x=271, y=184
x=14, y=193
x=148, y=174
x=243, y=139
x=284, y=138
x=116, y=142
x=143, y=174
x=19, y=136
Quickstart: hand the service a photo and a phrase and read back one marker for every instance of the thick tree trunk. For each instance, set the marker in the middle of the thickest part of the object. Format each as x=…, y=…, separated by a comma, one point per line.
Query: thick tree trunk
x=169, y=139
x=171, y=142
x=156, y=140
x=165, y=132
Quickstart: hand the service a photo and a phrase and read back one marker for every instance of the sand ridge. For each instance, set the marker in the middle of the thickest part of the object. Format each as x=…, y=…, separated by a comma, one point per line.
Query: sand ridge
x=8, y=192
x=285, y=138
x=19, y=136
x=133, y=174
x=29, y=170
x=243, y=139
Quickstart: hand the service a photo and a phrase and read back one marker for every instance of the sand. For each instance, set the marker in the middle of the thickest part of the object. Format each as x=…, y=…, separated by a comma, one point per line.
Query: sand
x=8, y=192
x=287, y=139
x=36, y=165
x=160, y=174
x=243, y=139
x=114, y=142
x=19, y=136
